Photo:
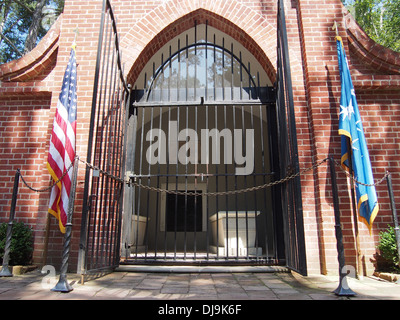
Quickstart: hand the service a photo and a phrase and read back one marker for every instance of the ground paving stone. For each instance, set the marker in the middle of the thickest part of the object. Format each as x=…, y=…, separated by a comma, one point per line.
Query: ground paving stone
x=196, y=286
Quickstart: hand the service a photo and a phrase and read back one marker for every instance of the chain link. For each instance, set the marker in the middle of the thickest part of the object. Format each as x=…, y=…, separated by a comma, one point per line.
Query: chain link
x=348, y=174
x=103, y=172
x=53, y=184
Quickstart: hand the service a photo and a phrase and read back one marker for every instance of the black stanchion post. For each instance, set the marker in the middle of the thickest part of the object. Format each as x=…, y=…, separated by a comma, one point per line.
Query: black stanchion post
x=394, y=213
x=5, y=271
x=343, y=288
x=62, y=284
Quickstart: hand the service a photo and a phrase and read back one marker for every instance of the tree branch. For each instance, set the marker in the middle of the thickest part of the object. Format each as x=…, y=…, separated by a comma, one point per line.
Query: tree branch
x=11, y=44
x=24, y=5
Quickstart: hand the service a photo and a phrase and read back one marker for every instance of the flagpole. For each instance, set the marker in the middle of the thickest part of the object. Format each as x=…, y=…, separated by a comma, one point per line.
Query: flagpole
x=62, y=284
x=343, y=288
x=353, y=196
x=355, y=216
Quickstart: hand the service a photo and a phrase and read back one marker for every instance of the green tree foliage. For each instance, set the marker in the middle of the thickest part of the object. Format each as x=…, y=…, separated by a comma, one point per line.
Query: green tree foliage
x=380, y=19
x=23, y=23
x=388, y=247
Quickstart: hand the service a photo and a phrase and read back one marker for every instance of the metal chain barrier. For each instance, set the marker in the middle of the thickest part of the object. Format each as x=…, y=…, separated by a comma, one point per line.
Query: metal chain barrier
x=360, y=183
x=128, y=180
x=223, y=193
x=53, y=184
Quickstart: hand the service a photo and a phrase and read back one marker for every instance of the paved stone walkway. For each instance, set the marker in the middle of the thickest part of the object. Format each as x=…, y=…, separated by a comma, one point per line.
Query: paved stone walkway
x=195, y=286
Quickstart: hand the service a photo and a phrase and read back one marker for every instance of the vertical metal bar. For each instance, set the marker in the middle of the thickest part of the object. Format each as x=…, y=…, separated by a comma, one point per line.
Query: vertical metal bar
x=158, y=195
x=187, y=66
x=232, y=74
x=163, y=77
x=214, y=70
x=236, y=187
x=148, y=184
x=249, y=81
x=241, y=75
x=133, y=167
x=269, y=121
x=217, y=151
x=244, y=141
x=178, y=80
x=5, y=271
x=167, y=186
x=119, y=164
x=195, y=53
x=111, y=229
x=136, y=219
x=206, y=75
x=245, y=185
x=226, y=197
x=186, y=189
x=154, y=77
x=195, y=190
x=126, y=165
x=176, y=185
x=394, y=213
x=255, y=183
x=208, y=213
x=223, y=69
x=123, y=104
x=169, y=73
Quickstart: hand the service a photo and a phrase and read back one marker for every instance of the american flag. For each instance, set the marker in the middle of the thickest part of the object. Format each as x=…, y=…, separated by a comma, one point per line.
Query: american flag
x=62, y=144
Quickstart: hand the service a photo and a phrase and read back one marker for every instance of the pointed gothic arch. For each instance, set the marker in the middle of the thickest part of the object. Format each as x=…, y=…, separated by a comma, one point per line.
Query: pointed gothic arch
x=138, y=53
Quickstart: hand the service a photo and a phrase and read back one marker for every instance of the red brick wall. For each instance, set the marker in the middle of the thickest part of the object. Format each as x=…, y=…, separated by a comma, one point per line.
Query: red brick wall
x=23, y=135
x=144, y=26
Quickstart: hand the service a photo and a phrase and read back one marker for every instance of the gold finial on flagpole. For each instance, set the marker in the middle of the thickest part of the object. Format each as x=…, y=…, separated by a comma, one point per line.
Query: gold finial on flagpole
x=76, y=31
x=335, y=27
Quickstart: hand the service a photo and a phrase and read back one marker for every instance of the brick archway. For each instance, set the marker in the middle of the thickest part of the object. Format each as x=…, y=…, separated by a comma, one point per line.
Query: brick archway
x=162, y=24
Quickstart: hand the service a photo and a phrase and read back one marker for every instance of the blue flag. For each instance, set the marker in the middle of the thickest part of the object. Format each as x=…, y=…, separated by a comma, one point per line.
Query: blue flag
x=350, y=126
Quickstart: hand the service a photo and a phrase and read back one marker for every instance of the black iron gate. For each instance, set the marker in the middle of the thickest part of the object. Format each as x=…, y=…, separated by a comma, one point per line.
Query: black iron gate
x=99, y=249
x=200, y=112
x=288, y=154
x=187, y=221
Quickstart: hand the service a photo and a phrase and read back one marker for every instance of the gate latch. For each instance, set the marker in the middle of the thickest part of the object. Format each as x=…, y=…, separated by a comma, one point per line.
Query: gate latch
x=129, y=175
